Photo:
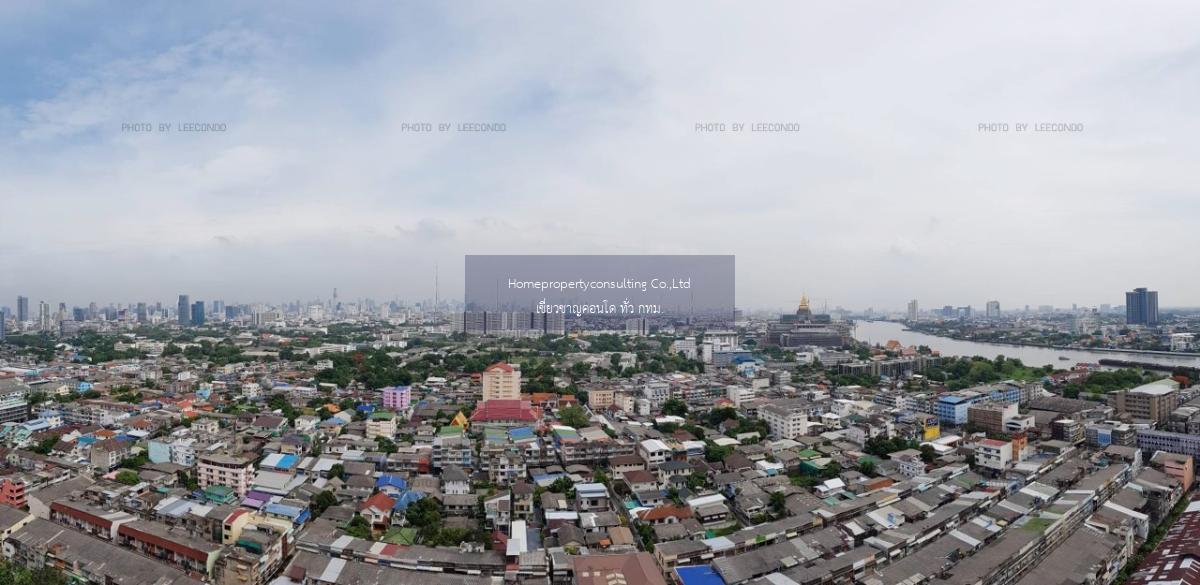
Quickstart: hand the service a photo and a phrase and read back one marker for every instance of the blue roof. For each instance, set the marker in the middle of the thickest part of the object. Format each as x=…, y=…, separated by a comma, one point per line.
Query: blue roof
x=407, y=498
x=396, y=482
x=521, y=433
x=951, y=399
x=293, y=512
x=698, y=575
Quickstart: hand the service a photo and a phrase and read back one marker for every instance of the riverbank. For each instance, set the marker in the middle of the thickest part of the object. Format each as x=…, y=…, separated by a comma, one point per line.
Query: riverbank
x=880, y=332
x=1042, y=346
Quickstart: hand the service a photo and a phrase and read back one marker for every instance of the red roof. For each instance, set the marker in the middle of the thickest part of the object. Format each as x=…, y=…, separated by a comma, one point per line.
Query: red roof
x=502, y=366
x=504, y=410
x=663, y=512
x=380, y=501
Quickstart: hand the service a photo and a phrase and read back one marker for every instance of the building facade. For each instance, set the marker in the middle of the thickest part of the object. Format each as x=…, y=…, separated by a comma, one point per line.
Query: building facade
x=502, y=381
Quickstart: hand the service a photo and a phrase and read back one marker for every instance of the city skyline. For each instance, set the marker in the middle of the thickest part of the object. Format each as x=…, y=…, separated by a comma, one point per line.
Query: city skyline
x=321, y=166
x=621, y=293
x=907, y=307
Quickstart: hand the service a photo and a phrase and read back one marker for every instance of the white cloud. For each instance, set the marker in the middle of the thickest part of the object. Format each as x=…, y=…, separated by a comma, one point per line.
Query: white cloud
x=317, y=181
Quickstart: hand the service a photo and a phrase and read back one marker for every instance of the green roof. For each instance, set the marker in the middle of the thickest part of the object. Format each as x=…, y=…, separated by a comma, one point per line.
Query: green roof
x=449, y=430
x=405, y=536
x=219, y=493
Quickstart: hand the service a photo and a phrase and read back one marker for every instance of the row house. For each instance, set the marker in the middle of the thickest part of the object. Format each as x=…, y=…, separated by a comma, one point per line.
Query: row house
x=591, y=448
x=174, y=547
x=414, y=460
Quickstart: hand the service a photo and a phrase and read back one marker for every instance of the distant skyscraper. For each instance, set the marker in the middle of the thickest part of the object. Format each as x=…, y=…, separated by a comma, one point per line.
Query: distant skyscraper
x=1, y=325
x=142, y=313
x=22, y=309
x=1141, y=307
x=993, y=309
x=912, y=310
x=44, y=316
x=198, y=313
x=185, y=311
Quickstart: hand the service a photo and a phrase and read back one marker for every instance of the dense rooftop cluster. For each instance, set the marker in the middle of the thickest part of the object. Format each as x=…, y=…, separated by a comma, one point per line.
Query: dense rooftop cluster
x=411, y=454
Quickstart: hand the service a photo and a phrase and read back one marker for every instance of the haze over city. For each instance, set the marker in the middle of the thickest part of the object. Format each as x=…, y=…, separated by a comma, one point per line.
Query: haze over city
x=883, y=188
x=599, y=293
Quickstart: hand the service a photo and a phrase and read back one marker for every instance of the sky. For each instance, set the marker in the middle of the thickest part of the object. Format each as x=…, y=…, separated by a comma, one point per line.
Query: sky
x=883, y=189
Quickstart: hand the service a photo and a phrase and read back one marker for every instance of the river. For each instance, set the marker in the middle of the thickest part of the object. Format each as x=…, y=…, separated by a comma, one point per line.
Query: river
x=882, y=331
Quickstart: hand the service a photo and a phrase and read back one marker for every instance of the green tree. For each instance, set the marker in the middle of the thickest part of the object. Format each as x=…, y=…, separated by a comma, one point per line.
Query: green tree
x=675, y=407
x=426, y=516
x=187, y=479
x=580, y=370
x=135, y=462
x=717, y=416
x=385, y=444
x=128, y=477
x=359, y=528
x=778, y=504
x=573, y=416
x=44, y=446
x=714, y=452
x=323, y=501
x=562, y=485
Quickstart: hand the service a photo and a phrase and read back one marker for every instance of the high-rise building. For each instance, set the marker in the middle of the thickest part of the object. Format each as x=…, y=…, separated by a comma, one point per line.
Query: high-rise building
x=1, y=325
x=502, y=381
x=44, y=324
x=912, y=310
x=198, y=313
x=185, y=311
x=22, y=309
x=142, y=314
x=14, y=406
x=993, y=309
x=1141, y=307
